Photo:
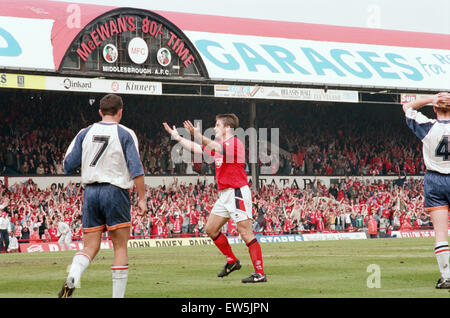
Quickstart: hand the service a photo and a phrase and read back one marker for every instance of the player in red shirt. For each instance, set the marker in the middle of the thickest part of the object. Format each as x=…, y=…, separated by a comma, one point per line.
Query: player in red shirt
x=235, y=197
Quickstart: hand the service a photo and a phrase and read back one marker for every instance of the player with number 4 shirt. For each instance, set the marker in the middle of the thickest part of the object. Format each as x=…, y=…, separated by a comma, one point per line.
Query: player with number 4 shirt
x=435, y=134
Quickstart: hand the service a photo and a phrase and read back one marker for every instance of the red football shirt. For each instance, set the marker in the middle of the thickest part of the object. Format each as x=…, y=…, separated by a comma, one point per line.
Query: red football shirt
x=230, y=166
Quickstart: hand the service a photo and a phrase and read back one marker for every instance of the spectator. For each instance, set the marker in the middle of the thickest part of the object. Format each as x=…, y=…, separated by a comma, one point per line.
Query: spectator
x=193, y=216
x=384, y=224
x=373, y=227
x=64, y=233
x=52, y=232
x=157, y=228
x=425, y=221
x=17, y=229
x=13, y=243
x=46, y=236
x=185, y=224
x=25, y=235
x=396, y=221
x=201, y=225
x=34, y=237
x=176, y=221
x=5, y=229
x=406, y=226
x=359, y=221
x=139, y=231
x=40, y=169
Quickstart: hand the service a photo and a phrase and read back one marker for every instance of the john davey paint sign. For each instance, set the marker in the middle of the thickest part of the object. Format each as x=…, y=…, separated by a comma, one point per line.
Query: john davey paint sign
x=133, y=42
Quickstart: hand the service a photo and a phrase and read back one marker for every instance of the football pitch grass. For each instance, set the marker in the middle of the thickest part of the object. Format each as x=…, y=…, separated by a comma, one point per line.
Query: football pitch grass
x=332, y=269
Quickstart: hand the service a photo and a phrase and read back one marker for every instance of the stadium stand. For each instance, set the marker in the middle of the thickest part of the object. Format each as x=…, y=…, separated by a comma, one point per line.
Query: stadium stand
x=181, y=210
x=315, y=139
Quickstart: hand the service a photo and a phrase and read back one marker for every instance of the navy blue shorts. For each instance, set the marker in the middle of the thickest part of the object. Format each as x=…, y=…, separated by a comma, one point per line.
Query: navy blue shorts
x=436, y=187
x=105, y=207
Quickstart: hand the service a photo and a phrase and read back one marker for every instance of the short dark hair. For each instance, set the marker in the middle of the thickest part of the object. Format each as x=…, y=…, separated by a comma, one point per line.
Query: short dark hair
x=110, y=104
x=441, y=110
x=229, y=120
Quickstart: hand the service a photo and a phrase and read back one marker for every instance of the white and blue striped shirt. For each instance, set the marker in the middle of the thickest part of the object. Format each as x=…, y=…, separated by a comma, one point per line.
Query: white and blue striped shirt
x=107, y=153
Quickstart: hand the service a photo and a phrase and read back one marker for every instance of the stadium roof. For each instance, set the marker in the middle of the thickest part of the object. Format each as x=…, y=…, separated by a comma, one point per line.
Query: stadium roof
x=36, y=35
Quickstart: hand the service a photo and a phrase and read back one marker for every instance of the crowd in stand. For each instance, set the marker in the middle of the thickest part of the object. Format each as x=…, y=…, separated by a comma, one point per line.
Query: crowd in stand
x=349, y=141
x=335, y=139
x=179, y=209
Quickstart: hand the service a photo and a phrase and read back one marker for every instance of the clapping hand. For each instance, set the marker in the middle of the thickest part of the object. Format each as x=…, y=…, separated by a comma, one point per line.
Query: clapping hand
x=194, y=131
x=172, y=132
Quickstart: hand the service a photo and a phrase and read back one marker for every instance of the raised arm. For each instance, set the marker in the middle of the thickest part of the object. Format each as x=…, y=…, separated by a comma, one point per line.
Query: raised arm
x=206, y=142
x=439, y=100
x=187, y=144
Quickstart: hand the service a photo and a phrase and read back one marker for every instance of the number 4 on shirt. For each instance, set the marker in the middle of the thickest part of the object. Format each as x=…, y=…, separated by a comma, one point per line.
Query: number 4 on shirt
x=442, y=149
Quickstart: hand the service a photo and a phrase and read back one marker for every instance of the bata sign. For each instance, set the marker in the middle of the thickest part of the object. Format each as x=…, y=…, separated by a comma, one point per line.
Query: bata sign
x=139, y=43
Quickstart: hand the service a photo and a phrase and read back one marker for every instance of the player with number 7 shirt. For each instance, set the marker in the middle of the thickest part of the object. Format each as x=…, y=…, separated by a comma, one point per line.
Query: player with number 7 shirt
x=108, y=154
x=435, y=134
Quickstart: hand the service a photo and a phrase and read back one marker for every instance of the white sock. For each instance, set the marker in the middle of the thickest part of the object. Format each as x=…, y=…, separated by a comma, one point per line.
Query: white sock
x=79, y=263
x=442, y=253
x=119, y=278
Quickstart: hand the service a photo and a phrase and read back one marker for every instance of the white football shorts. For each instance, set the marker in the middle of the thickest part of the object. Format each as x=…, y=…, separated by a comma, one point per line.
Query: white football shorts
x=234, y=203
